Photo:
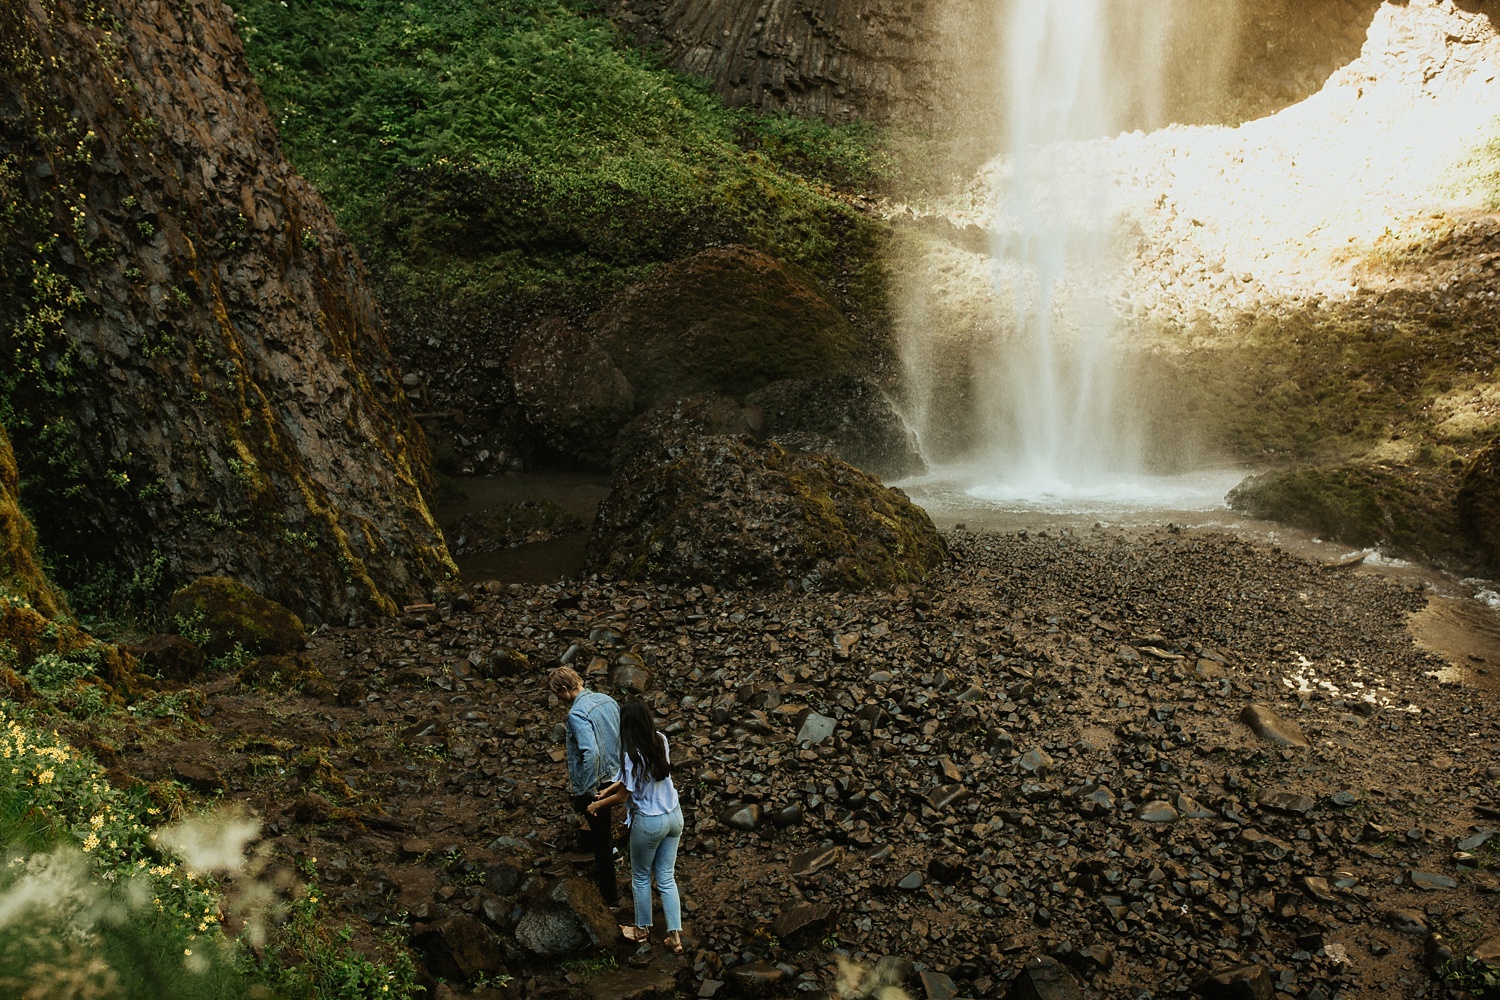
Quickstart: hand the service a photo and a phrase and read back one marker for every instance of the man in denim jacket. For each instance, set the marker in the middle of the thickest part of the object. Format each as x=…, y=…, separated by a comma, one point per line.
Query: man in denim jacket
x=593, y=761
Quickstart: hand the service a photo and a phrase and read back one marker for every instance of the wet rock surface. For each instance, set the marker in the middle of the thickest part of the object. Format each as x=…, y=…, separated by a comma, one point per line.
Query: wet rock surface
x=570, y=391
x=846, y=416
x=990, y=838
x=739, y=512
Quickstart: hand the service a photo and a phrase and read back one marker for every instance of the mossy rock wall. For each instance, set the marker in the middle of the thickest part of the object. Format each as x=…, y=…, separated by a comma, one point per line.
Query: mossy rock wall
x=21, y=573
x=1478, y=505
x=194, y=373
x=737, y=512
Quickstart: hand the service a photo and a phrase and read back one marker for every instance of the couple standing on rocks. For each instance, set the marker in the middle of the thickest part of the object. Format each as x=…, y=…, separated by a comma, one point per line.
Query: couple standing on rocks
x=616, y=755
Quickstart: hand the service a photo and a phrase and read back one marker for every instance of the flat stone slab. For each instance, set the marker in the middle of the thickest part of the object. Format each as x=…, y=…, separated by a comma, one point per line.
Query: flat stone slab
x=1269, y=726
x=815, y=860
x=631, y=984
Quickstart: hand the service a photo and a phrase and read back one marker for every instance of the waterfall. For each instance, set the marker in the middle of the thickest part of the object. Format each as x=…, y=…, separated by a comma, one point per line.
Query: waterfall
x=1032, y=401
x=1047, y=393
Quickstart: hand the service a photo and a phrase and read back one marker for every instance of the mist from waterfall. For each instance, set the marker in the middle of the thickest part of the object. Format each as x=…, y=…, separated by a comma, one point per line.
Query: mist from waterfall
x=1042, y=382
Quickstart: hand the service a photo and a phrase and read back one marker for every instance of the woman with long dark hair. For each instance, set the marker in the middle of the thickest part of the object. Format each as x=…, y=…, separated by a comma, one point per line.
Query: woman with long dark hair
x=645, y=779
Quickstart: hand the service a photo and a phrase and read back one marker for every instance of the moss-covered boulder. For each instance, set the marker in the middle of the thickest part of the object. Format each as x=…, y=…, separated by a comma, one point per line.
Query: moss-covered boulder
x=220, y=613
x=846, y=416
x=1477, y=507
x=726, y=321
x=1397, y=508
x=737, y=512
x=647, y=437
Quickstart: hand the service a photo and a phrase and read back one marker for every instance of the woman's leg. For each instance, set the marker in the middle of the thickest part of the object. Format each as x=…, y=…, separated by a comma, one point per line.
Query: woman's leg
x=665, y=868
x=646, y=834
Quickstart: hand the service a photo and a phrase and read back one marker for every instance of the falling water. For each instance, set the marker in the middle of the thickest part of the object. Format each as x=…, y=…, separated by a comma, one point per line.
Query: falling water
x=1054, y=420
x=1048, y=393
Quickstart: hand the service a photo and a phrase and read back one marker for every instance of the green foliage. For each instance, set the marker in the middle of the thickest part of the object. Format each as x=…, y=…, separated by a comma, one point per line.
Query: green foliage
x=104, y=592
x=516, y=151
x=321, y=964
x=98, y=909
x=102, y=913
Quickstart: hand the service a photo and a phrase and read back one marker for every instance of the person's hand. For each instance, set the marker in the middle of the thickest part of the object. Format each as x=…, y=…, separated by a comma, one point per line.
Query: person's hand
x=593, y=807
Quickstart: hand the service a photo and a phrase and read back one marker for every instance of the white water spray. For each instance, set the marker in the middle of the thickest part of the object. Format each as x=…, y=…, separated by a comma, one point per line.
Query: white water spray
x=1054, y=421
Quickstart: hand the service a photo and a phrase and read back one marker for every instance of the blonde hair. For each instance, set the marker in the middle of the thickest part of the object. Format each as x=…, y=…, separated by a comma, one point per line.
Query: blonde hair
x=562, y=680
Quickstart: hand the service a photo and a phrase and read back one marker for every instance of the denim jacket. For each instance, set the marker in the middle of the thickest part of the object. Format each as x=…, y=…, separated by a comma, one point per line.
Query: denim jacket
x=593, y=741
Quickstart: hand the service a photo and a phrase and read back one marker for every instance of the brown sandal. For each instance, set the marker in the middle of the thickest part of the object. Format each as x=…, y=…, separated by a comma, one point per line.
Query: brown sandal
x=674, y=942
x=635, y=935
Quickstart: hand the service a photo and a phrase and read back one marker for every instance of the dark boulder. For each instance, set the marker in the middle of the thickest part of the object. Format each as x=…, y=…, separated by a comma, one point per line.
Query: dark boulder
x=1239, y=982
x=570, y=390
x=565, y=919
x=170, y=657
x=1045, y=978
x=459, y=948
x=726, y=321
x=741, y=513
x=223, y=613
x=850, y=413
x=648, y=436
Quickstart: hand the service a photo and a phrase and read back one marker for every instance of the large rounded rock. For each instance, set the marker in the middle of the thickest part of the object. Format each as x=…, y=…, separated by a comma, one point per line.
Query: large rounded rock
x=222, y=613
x=565, y=919
x=648, y=436
x=459, y=948
x=851, y=412
x=726, y=321
x=737, y=512
x=570, y=390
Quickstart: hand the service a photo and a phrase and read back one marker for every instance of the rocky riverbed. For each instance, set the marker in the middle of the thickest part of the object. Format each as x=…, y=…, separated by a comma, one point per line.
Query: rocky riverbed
x=1038, y=766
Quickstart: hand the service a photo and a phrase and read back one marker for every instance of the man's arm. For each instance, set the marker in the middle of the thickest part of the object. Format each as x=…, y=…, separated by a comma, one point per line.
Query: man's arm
x=588, y=751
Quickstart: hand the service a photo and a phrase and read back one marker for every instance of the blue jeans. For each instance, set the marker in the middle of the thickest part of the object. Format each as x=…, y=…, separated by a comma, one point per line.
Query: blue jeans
x=653, y=851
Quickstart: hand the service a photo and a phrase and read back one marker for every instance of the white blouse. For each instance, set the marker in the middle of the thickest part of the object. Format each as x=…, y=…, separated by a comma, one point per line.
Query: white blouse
x=647, y=797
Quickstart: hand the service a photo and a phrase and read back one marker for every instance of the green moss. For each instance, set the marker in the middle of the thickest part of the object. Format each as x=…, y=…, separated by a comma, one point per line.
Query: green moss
x=224, y=615
x=1400, y=509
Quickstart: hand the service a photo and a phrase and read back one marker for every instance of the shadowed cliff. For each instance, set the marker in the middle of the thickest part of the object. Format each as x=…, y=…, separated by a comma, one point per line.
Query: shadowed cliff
x=195, y=375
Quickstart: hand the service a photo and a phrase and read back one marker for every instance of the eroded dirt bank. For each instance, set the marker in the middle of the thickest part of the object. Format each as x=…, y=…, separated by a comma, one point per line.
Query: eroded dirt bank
x=1037, y=754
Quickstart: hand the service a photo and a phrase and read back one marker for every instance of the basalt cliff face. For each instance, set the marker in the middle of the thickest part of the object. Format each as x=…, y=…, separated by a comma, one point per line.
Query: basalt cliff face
x=938, y=65
x=836, y=59
x=195, y=375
